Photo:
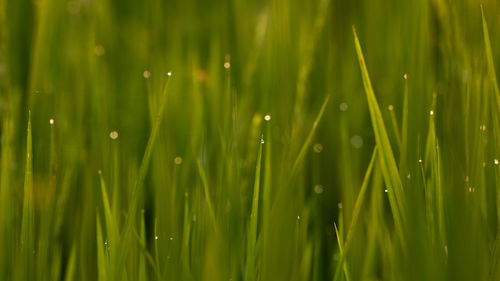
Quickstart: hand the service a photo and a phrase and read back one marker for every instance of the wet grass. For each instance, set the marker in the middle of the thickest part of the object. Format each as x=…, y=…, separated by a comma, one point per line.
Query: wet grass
x=249, y=140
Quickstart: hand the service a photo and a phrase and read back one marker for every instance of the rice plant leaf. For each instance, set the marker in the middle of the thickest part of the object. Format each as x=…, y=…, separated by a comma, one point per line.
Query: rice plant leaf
x=252, y=226
x=386, y=157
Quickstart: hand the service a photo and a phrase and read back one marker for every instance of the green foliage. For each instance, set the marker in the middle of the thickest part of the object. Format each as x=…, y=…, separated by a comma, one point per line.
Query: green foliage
x=249, y=140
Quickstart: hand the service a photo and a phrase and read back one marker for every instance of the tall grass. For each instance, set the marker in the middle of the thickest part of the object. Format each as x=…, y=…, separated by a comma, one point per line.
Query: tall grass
x=249, y=140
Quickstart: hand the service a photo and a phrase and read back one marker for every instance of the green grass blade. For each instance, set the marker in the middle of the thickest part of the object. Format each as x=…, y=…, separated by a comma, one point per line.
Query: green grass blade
x=489, y=58
x=386, y=157
x=355, y=214
x=252, y=225
x=206, y=189
x=307, y=143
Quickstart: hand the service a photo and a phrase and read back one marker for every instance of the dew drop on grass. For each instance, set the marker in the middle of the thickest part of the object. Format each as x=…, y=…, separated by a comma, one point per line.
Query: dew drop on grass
x=318, y=189
x=356, y=141
x=419, y=160
x=51, y=121
x=390, y=107
x=431, y=112
x=113, y=135
x=267, y=117
x=227, y=65
x=171, y=238
x=405, y=76
x=482, y=127
x=340, y=205
x=385, y=190
x=298, y=217
x=408, y=176
x=261, y=140
x=146, y=74
x=318, y=147
x=156, y=237
x=495, y=161
x=99, y=50
x=343, y=106
x=169, y=73
x=178, y=160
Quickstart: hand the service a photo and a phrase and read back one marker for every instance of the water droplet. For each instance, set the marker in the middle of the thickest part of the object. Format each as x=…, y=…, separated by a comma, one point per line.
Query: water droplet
x=405, y=76
x=343, y=106
x=113, y=135
x=482, y=127
x=156, y=237
x=495, y=161
x=146, y=74
x=340, y=205
x=267, y=117
x=431, y=112
x=51, y=121
x=419, y=160
x=171, y=238
x=169, y=73
x=178, y=160
x=298, y=217
x=385, y=190
x=318, y=189
x=472, y=189
x=227, y=65
x=356, y=141
x=408, y=176
x=318, y=147
x=446, y=249
x=99, y=172
x=390, y=107
x=99, y=50
x=261, y=140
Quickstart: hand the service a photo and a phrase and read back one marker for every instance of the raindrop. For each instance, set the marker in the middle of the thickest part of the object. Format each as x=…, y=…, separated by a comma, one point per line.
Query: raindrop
x=51, y=121
x=419, y=160
x=99, y=50
x=356, y=141
x=169, y=73
x=431, y=112
x=340, y=205
x=156, y=237
x=495, y=161
x=113, y=135
x=261, y=140
x=405, y=76
x=146, y=74
x=343, y=106
x=318, y=189
x=318, y=147
x=178, y=160
x=385, y=190
x=267, y=117
x=227, y=65
x=390, y=107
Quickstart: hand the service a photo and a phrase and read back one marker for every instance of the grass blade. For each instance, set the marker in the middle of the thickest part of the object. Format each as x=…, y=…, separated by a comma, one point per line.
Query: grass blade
x=252, y=226
x=386, y=157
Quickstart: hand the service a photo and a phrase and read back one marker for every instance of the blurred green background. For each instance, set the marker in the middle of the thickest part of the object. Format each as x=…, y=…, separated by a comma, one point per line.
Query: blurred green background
x=98, y=68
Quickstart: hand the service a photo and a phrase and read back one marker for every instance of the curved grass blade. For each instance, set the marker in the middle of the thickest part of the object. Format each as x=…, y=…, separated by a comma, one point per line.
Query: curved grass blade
x=355, y=215
x=386, y=157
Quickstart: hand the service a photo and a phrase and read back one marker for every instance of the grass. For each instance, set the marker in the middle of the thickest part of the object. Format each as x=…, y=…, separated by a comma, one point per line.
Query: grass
x=249, y=140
